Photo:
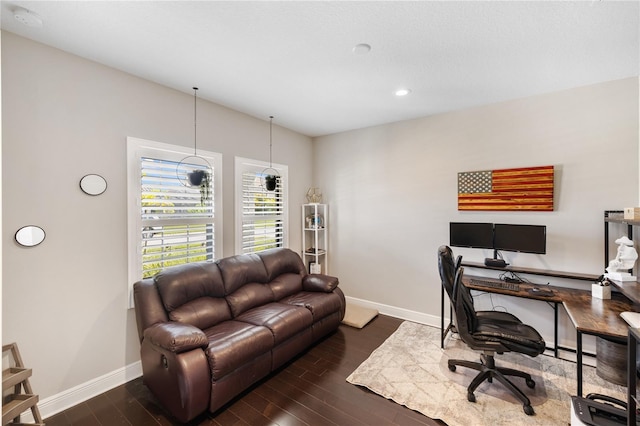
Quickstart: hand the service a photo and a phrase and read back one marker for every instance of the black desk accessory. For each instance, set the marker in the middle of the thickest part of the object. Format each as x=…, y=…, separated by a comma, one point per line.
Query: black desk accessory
x=495, y=263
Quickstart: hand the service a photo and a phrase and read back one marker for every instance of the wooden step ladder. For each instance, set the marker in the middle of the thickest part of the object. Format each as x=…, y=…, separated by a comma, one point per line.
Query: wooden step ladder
x=17, y=377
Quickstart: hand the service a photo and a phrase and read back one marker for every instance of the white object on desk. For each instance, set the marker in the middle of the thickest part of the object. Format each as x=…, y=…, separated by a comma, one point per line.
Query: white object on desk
x=601, y=291
x=625, y=259
x=632, y=318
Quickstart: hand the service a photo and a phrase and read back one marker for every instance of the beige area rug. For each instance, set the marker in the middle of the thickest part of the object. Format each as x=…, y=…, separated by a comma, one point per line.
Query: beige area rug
x=411, y=369
x=357, y=316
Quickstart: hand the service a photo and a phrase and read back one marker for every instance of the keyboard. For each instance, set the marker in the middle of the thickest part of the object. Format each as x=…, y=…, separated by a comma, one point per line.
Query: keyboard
x=495, y=284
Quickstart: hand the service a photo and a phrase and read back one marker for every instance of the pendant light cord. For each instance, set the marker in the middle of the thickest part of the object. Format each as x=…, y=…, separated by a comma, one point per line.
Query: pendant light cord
x=195, y=121
x=270, y=137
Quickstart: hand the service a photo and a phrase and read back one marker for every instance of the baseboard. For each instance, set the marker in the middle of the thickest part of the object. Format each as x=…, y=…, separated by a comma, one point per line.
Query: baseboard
x=396, y=312
x=84, y=391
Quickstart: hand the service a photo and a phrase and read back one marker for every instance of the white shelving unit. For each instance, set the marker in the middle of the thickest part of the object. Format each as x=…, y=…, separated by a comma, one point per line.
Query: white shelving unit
x=315, y=239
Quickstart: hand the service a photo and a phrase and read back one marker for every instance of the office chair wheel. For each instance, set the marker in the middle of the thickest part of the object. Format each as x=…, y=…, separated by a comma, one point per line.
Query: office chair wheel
x=471, y=397
x=528, y=410
x=531, y=384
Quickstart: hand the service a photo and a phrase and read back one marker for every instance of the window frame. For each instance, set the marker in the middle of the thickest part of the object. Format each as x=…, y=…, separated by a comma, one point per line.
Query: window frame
x=243, y=165
x=137, y=149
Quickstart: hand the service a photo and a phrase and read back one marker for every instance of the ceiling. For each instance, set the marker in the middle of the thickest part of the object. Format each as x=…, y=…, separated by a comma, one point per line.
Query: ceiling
x=295, y=60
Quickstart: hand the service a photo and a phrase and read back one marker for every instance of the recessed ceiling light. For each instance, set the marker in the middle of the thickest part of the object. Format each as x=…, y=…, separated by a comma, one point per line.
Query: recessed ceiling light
x=402, y=92
x=27, y=17
x=361, y=49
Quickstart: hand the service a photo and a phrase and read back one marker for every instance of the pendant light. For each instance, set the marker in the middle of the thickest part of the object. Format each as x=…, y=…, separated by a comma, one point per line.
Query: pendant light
x=270, y=175
x=194, y=170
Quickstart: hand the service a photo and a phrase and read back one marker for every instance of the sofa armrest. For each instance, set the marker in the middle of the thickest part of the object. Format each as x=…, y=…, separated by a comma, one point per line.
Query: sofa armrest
x=319, y=282
x=176, y=337
x=180, y=381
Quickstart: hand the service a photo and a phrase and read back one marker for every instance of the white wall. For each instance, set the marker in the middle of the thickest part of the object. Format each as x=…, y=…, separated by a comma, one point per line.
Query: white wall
x=64, y=302
x=392, y=188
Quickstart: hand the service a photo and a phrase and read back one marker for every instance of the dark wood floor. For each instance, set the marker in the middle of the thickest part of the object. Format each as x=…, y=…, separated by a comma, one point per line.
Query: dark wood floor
x=311, y=390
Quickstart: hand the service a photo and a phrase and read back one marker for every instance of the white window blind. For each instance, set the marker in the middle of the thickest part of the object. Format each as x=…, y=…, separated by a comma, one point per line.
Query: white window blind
x=177, y=220
x=170, y=223
x=263, y=214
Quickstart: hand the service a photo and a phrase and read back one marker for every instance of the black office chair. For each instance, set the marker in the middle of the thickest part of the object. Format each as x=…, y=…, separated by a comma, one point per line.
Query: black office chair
x=492, y=336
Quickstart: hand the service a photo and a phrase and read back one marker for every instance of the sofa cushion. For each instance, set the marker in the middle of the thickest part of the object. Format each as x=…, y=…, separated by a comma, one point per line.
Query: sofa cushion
x=320, y=304
x=180, y=284
x=233, y=344
x=283, y=320
x=241, y=269
x=280, y=261
x=285, y=285
x=249, y=296
x=203, y=312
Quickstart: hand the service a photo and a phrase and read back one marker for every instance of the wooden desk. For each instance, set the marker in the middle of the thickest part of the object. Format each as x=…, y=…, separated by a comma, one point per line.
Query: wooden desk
x=597, y=317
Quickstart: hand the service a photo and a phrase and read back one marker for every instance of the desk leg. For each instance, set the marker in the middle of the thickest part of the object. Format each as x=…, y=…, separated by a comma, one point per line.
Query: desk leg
x=555, y=329
x=441, y=317
x=579, y=360
x=631, y=379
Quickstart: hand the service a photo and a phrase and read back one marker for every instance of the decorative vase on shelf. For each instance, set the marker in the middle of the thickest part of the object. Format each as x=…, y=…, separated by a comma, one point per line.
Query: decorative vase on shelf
x=314, y=196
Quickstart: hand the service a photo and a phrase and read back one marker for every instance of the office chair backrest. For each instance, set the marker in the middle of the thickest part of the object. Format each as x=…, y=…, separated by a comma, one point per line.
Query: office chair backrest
x=448, y=268
x=464, y=311
x=451, y=274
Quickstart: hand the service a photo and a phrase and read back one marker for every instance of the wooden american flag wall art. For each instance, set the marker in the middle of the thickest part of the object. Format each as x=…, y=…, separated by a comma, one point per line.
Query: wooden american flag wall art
x=524, y=189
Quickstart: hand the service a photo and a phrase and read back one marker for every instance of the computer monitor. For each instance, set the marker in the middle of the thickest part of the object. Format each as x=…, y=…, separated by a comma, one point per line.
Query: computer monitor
x=520, y=238
x=473, y=235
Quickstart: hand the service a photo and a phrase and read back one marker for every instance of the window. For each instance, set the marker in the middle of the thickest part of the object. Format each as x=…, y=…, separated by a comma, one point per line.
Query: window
x=261, y=215
x=170, y=222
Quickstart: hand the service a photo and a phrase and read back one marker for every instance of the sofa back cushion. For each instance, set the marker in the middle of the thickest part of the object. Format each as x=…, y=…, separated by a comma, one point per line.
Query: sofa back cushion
x=280, y=261
x=203, y=312
x=285, y=271
x=248, y=296
x=240, y=270
x=286, y=285
x=193, y=294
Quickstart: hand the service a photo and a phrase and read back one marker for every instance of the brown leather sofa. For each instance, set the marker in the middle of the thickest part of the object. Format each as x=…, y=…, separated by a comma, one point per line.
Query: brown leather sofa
x=209, y=330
